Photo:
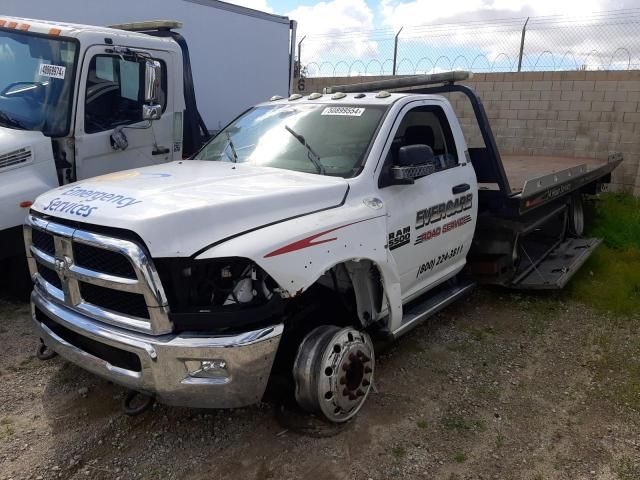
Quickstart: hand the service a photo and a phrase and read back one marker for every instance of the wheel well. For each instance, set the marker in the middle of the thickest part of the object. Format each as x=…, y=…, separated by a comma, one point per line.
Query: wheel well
x=348, y=294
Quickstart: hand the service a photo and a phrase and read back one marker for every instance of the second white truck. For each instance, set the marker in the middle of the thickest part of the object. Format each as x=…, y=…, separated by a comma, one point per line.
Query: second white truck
x=306, y=229
x=75, y=100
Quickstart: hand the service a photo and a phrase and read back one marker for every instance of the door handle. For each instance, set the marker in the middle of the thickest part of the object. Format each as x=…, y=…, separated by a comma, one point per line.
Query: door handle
x=463, y=187
x=160, y=151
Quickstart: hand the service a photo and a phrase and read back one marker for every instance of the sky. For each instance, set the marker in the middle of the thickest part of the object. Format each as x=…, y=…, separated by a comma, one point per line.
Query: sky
x=329, y=26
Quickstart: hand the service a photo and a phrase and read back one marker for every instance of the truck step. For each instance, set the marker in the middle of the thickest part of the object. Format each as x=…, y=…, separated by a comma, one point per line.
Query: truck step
x=432, y=303
x=560, y=265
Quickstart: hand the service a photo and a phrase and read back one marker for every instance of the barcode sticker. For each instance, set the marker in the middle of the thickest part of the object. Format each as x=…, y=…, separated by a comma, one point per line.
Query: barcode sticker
x=344, y=111
x=52, y=71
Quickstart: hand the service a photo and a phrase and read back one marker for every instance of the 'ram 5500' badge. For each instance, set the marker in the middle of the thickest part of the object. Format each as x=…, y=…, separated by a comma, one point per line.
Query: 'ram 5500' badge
x=400, y=237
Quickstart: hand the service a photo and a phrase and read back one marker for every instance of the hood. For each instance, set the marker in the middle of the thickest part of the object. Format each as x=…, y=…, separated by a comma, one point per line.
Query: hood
x=22, y=147
x=180, y=207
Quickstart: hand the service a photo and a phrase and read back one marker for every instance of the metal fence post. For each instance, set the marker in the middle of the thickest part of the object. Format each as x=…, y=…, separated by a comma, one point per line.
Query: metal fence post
x=395, y=50
x=300, y=54
x=524, y=31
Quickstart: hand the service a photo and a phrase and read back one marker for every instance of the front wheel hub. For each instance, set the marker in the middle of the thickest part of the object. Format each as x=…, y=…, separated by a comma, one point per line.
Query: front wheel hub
x=333, y=371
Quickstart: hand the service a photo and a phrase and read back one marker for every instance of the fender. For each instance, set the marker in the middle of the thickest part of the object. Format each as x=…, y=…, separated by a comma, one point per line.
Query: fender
x=298, y=252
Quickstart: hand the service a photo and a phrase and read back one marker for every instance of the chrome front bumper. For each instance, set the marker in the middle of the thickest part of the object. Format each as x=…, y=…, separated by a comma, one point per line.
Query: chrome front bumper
x=167, y=363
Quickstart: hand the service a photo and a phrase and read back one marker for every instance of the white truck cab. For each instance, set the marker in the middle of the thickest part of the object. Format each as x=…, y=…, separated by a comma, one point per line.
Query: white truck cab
x=78, y=101
x=306, y=228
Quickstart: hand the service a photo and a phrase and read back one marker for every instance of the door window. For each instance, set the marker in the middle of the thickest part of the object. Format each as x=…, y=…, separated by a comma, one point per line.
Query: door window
x=115, y=92
x=427, y=125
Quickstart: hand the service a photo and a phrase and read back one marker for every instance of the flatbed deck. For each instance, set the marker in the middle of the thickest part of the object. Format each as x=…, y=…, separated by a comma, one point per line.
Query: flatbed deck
x=520, y=168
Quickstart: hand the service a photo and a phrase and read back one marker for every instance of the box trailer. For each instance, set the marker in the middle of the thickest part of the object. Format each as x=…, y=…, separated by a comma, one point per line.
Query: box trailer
x=228, y=45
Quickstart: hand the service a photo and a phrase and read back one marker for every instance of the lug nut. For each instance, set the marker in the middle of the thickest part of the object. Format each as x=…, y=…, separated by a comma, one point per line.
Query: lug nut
x=368, y=370
x=366, y=382
x=359, y=393
x=343, y=380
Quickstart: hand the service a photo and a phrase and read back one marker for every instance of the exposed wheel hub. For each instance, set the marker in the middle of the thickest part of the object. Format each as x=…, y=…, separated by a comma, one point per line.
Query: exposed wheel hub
x=334, y=371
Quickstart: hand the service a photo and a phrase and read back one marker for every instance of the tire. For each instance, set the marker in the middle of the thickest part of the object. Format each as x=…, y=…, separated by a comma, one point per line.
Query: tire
x=333, y=372
x=576, y=216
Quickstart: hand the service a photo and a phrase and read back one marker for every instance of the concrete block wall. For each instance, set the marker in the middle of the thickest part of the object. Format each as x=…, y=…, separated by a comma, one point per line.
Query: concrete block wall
x=577, y=114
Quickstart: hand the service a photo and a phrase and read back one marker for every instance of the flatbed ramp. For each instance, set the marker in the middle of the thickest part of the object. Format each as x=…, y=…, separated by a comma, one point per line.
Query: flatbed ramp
x=557, y=268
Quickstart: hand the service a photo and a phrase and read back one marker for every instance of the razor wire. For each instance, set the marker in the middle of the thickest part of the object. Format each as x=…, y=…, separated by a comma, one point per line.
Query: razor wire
x=598, y=41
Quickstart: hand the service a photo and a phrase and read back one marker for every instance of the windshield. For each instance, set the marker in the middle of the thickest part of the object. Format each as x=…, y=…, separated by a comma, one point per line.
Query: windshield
x=315, y=138
x=36, y=82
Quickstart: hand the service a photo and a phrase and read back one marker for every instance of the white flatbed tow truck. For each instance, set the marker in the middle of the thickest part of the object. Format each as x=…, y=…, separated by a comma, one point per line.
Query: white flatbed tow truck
x=77, y=101
x=307, y=229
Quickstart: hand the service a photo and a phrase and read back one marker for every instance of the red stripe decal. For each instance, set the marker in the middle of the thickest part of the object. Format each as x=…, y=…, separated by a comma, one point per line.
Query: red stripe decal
x=309, y=241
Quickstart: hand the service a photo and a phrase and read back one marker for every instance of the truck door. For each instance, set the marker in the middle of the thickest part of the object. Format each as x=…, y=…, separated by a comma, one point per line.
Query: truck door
x=111, y=96
x=430, y=222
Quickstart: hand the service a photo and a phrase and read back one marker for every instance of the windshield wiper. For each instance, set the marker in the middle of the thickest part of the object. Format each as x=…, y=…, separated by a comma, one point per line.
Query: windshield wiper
x=233, y=149
x=10, y=121
x=313, y=156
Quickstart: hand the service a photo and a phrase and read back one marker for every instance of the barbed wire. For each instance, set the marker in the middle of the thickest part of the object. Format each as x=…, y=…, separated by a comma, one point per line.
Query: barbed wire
x=597, y=41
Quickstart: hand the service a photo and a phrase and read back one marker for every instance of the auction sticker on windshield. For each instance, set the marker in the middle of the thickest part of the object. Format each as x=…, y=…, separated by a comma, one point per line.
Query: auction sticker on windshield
x=344, y=111
x=52, y=71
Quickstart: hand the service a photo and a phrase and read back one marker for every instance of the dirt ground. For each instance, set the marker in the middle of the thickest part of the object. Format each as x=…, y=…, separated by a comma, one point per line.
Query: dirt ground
x=499, y=386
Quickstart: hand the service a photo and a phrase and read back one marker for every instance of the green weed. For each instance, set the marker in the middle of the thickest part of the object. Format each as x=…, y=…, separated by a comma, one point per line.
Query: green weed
x=610, y=280
x=398, y=451
x=461, y=424
x=617, y=220
x=460, y=457
x=422, y=424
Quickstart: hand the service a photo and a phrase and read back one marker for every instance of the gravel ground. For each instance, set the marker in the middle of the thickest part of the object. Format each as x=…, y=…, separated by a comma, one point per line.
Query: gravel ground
x=499, y=386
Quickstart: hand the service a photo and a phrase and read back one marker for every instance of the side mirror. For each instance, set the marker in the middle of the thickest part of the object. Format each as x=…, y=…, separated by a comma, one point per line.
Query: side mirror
x=413, y=161
x=152, y=110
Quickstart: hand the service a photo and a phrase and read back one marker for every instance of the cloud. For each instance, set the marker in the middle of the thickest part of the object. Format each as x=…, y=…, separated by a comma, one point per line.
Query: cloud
x=396, y=13
x=325, y=24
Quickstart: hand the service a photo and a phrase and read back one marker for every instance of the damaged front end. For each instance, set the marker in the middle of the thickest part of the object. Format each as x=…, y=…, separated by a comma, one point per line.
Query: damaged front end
x=221, y=295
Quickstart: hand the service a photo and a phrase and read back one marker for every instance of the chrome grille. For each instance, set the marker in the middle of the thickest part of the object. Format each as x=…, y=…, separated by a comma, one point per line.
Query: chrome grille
x=50, y=276
x=43, y=241
x=109, y=279
x=102, y=260
x=16, y=157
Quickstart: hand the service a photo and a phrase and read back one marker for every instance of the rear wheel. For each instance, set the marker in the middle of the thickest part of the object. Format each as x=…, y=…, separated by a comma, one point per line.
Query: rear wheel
x=576, y=216
x=333, y=372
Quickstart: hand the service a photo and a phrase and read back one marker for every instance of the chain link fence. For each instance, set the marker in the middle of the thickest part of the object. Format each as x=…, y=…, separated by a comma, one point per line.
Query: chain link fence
x=598, y=41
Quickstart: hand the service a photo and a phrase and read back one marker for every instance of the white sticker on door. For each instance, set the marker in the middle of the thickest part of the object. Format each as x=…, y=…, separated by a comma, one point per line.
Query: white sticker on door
x=344, y=111
x=52, y=71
